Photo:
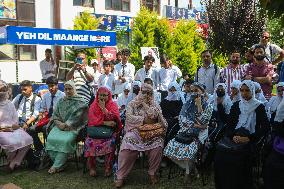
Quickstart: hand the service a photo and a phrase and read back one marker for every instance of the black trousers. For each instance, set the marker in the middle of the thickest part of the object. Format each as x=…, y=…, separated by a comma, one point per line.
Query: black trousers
x=33, y=132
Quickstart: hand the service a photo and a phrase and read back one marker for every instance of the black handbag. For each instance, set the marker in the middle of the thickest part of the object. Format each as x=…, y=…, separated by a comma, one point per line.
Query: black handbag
x=100, y=132
x=228, y=145
x=185, y=138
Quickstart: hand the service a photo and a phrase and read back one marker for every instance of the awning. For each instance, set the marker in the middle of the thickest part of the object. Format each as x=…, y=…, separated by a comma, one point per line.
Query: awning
x=46, y=36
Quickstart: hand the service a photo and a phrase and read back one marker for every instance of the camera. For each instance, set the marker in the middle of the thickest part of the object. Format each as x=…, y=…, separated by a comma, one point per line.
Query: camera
x=79, y=61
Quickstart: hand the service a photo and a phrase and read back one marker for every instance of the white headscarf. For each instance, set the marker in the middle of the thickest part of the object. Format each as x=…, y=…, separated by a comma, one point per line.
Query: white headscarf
x=3, y=95
x=227, y=103
x=173, y=95
x=259, y=96
x=247, y=118
x=236, y=84
x=280, y=112
x=275, y=100
x=127, y=86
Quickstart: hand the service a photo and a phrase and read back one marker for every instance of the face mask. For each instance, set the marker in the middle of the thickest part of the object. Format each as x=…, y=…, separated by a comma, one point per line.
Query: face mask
x=220, y=93
x=259, y=57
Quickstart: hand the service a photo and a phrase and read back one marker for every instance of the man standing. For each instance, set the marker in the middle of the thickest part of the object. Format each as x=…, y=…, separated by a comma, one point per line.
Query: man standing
x=82, y=77
x=147, y=71
x=167, y=74
x=261, y=71
x=208, y=74
x=47, y=66
x=273, y=52
x=28, y=105
x=234, y=71
x=96, y=74
x=123, y=72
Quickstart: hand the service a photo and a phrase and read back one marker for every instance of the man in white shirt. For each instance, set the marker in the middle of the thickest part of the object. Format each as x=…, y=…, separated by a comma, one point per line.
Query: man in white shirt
x=107, y=79
x=147, y=71
x=96, y=74
x=123, y=72
x=273, y=52
x=47, y=66
x=209, y=73
x=167, y=74
x=28, y=106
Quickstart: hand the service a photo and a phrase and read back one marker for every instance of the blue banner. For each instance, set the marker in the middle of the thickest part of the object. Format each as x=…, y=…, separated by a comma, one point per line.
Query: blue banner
x=45, y=36
x=176, y=13
x=113, y=22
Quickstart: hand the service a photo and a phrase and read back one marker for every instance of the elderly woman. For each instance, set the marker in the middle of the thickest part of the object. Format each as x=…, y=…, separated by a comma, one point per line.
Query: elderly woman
x=171, y=107
x=275, y=100
x=13, y=139
x=69, y=116
x=248, y=122
x=274, y=168
x=193, y=120
x=103, y=112
x=235, y=91
x=142, y=116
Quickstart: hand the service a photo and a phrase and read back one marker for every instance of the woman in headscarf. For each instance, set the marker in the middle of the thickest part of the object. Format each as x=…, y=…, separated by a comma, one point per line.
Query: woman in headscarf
x=259, y=93
x=122, y=98
x=136, y=87
x=247, y=124
x=221, y=103
x=103, y=112
x=141, y=113
x=171, y=107
x=193, y=120
x=235, y=91
x=13, y=139
x=274, y=164
x=275, y=100
x=69, y=116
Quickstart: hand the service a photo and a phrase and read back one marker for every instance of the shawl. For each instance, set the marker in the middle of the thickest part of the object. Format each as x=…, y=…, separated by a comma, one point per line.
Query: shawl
x=275, y=100
x=236, y=84
x=97, y=116
x=172, y=96
x=247, y=118
x=227, y=103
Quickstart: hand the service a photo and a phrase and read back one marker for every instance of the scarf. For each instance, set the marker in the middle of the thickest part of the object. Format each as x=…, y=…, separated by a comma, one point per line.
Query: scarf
x=259, y=96
x=75, y=96
x=227, y=103
x=97, y=116
x=3, y=95
x=236, y=84
x=172, y=96
x=247, y=118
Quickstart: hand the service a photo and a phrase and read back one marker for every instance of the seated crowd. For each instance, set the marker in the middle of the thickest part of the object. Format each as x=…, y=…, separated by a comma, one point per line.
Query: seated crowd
x=126, y=115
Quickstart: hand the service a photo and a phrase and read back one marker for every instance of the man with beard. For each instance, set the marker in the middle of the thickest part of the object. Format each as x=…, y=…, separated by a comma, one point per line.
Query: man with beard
x=261, y=71
x=234, y=71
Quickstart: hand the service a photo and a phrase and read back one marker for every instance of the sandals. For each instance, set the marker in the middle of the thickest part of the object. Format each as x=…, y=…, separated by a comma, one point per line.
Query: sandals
x=53, y=170
x=93, y=173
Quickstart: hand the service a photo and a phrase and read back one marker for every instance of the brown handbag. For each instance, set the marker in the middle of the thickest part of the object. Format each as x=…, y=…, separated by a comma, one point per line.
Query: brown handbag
x=150, y=131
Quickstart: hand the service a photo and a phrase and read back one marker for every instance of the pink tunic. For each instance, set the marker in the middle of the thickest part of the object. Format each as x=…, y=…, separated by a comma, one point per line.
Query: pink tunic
x=134, y=118
x=12, y=141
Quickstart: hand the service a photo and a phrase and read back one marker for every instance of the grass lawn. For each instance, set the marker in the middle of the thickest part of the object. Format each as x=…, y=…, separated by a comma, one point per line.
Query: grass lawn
x=72, y=178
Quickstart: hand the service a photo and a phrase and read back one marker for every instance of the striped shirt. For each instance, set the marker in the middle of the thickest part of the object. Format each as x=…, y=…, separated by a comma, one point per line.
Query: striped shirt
x=229, y=74
x=82, y=87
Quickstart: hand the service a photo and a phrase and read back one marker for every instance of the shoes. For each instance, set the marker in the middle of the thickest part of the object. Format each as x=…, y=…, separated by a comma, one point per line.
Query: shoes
x=119, y=183
x=153, y=179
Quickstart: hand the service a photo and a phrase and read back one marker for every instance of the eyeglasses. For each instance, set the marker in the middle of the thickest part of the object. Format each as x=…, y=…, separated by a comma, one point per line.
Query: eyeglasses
x=265, y=37
x=103, y=95
x=147, y=92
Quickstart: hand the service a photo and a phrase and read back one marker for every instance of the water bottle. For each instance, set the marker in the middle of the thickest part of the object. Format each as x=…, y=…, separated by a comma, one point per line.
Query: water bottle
x=115, y=167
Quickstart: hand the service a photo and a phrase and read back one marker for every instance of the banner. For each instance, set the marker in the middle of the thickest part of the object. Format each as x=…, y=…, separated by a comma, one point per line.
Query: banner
x=153, y=51
x=45, y=36
x=8, y=9
x=113, y=22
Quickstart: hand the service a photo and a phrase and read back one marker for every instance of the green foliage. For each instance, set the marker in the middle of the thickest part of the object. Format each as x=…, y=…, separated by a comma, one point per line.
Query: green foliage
x=143, y=32
x=121, y=39
x=234, y=24
x=185, y=47
x=275, y=8
x=276, y=29
x=220, y=59
x=162, y=35
x=85, y=21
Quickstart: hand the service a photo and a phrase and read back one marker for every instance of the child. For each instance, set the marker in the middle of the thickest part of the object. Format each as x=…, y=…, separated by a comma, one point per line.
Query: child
x=107, y=79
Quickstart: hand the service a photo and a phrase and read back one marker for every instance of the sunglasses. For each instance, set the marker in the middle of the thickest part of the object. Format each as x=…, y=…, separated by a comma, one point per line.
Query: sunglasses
x=265, y=37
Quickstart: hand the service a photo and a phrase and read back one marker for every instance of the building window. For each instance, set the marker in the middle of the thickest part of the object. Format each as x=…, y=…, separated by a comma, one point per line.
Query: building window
x=84, y=3
x=18, y=13
x=153, y=5
x=120, y=5
x=176, y=3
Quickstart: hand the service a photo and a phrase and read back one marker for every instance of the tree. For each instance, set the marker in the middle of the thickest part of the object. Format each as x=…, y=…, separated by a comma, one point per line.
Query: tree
x=185, y=47
x=85, y=21
x=234, y=24
x=143, y=32
x=275, y=9
x=276, y=30
x=162, y=35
